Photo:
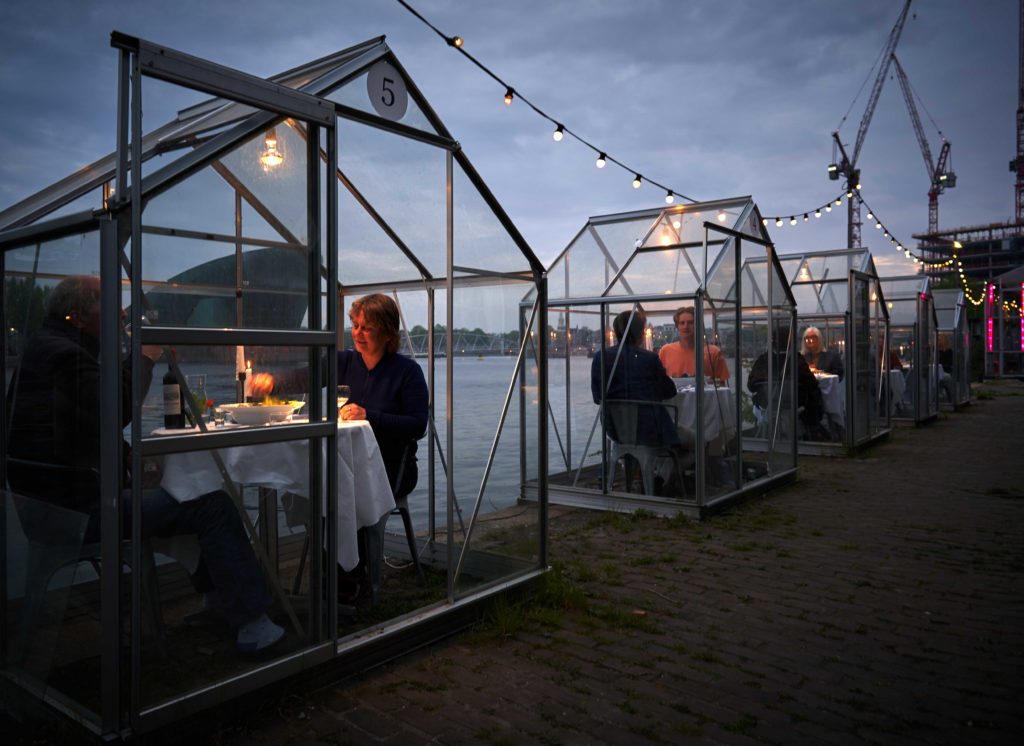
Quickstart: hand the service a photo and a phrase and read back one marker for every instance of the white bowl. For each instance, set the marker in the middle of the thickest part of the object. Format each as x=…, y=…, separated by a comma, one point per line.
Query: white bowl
x=260, y=414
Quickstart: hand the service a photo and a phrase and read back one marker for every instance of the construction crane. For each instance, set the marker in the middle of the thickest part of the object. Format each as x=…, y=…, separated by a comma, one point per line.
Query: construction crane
x=845, y=165
x=1017, y=164
x=941, y=178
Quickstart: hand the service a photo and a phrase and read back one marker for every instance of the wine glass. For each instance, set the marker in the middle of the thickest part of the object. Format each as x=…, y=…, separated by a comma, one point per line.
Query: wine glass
x=344, y=392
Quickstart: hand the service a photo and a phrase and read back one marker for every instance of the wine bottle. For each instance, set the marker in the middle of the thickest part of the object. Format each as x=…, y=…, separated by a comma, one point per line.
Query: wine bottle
x=174, y=411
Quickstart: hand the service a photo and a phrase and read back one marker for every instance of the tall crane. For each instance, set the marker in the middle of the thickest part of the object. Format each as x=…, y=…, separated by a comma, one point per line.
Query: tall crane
x=940, y=177
x=1017, y=164
x=847, y=166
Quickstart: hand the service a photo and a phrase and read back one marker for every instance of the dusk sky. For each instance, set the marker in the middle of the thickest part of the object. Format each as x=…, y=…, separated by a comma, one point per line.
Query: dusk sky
x=713, y=98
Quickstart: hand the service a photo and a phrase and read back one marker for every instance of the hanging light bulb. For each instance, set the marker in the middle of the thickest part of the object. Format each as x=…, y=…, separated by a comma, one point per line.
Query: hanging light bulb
x=778, y=222
x=870, y=216
x=669, y=197
x=817, y=213
x=805, y=274
x=805, y=217
x=677, y=224
x=557, y=134
x=637, y=180
x=839, y=201
x=455, y=41
x=849, y=193
x=722, y=216
x=509, y=95
x=878, y=225
x=600, y=160
x=764, y=221
x=270, y=156
x=828, y=207
x=792, y=220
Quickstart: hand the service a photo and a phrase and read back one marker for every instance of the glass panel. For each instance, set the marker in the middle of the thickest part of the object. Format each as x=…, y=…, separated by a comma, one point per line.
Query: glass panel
x=481, y=242
x=222, y=280
x=404, y=181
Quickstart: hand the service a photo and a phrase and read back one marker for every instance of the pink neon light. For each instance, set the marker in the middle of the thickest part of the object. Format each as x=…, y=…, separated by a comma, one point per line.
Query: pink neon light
x=989, y=342
x=1022, y=317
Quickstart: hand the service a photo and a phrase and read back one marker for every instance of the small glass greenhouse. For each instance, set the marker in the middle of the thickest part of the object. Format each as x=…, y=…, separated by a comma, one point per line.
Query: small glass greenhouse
x=954, y=356
x=236, y=237
x=1004, y=325
x=914, y=342
x=637, y=271
x=838, y=293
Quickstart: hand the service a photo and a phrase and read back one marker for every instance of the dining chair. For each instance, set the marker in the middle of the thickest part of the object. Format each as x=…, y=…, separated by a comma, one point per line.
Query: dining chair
x=628, y=419
x=48, y=553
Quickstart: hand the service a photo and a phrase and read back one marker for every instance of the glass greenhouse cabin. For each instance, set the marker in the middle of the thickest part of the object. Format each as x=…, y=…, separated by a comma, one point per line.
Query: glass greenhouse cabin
x=716, y=258
x=1004, y=325
x=914, y=344
x=236, y=236
x=954, y=355
x=838, y=292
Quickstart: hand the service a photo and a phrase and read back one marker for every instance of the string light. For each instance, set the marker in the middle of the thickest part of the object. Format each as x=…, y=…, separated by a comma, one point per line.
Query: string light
x=805, y=217
x=456, y=43
x=637, y=181
x=669, y=197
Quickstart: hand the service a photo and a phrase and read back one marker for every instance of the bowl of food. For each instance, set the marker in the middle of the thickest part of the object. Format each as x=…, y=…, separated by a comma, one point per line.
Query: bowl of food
x=261, y=413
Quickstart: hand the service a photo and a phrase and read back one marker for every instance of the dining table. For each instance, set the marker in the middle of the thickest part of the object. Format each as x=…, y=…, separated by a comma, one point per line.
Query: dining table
x=719, y=413
x=363, y=491
x=831, y=397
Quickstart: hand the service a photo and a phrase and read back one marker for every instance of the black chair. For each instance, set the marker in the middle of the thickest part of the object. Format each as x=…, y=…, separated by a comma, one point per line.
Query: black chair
x=48, y=552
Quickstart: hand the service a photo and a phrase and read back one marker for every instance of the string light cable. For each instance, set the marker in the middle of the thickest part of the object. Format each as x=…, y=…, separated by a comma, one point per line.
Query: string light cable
x=560, y=129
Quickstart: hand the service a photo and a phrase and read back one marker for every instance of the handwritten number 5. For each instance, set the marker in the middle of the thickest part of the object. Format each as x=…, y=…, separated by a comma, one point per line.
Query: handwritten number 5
x=388, y=95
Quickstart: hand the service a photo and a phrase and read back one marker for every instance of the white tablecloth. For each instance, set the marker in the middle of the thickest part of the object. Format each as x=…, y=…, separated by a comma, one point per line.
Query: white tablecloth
x=364, y=494
x=897, y=386
x=719, y=415
x=831, y=396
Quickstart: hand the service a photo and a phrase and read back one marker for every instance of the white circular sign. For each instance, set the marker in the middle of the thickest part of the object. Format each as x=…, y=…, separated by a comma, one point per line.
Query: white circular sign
x=387, y=91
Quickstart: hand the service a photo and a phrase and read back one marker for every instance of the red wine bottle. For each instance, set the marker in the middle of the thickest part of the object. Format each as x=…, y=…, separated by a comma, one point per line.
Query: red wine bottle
x=174, y=411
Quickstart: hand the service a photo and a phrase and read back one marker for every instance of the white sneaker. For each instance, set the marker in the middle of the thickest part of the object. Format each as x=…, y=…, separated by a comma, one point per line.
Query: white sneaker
x=258, y=634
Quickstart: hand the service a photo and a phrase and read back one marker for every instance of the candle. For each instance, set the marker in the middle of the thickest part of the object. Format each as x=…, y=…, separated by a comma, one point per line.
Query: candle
x=247, y=380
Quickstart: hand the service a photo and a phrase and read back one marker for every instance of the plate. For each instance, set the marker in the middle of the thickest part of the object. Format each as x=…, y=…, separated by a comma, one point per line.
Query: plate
x=260, y=414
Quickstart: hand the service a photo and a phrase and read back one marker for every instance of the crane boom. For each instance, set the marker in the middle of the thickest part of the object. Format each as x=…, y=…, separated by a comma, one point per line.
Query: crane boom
x=915, y=119
x=869, y=110
x=848, y=166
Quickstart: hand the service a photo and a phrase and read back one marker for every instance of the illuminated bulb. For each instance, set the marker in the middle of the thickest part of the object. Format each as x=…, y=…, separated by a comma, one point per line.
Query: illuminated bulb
x=271, y=157
x=817, y=213
x=850, y=193
x=858, y=186
x=764, y=221
x=665, y=239
x=878, y=225
x=870, y=216
x=669, y=197
x=600, y=160
x=722, y=216
x=805, y=217
x=455, y=41
x=778, y=222
x=509, y=95
x=792, y=220
x=677, y=224
x=557, y=134
x=839, y=201
x=886, y=234
x=637, y=180
x=828, y=208
x=957, y=245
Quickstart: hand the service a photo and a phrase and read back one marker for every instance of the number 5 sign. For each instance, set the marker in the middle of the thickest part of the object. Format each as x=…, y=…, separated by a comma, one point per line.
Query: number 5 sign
x=387, y=91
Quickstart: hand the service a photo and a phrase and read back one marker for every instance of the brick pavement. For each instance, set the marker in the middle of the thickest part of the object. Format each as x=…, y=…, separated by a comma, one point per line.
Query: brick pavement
x=880, y=600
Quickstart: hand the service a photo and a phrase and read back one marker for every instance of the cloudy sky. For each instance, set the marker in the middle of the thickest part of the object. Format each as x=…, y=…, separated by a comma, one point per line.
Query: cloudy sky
x=713, y=98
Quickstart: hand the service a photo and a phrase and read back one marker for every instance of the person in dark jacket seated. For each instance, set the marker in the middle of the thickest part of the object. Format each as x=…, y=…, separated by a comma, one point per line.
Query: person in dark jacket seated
x=386, y=389
x=808, y=394
x=54, y=445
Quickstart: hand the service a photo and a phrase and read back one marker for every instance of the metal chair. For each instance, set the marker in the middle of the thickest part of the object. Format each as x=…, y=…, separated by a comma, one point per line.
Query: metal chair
x=625, y=417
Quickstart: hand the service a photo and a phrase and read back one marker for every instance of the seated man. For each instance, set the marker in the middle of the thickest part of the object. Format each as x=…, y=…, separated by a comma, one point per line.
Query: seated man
x=635, y=374
x=679, y=357
x=808, y=394
x=54, y=442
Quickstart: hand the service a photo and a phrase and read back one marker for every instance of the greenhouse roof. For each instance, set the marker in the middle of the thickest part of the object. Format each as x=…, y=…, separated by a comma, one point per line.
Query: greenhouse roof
x=949, y=307
x=819, y=279
x=668, y=250
x=901, y=296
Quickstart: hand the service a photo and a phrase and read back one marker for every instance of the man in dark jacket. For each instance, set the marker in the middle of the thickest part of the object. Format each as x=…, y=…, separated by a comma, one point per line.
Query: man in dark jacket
x=54, y=445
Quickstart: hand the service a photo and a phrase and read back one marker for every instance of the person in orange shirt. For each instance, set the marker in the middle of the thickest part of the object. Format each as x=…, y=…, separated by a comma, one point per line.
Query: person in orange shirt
x=678, y=357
